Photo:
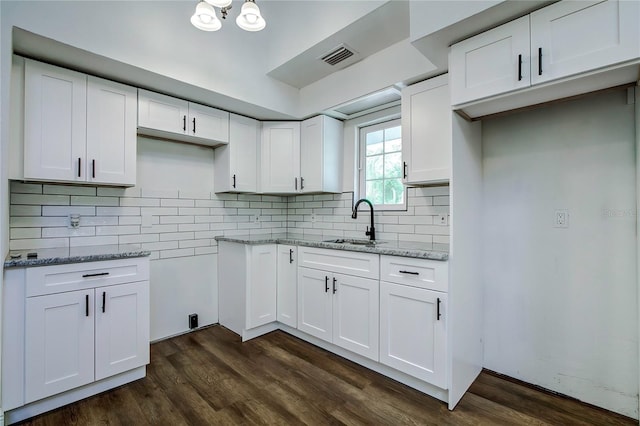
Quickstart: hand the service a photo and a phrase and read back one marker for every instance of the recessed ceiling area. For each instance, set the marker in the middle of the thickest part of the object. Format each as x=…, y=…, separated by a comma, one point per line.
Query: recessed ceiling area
x=377, y=30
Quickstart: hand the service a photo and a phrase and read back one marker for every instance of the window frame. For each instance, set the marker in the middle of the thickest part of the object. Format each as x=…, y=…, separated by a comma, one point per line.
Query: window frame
x=362, y=153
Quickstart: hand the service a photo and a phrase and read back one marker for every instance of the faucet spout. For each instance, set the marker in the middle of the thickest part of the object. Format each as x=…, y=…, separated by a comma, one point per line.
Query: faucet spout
x=371, y=231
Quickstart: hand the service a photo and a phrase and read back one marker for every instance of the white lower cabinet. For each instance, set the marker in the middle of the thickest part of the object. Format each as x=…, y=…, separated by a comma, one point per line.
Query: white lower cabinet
x=413, y=336
x=337, y=307
x=247, y=286
x=287, y=285
x=83, y=323
x=59, y=343
x=340, y=309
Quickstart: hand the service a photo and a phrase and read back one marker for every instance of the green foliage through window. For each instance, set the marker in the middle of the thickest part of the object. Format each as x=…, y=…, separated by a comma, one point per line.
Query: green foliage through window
x=382, y=146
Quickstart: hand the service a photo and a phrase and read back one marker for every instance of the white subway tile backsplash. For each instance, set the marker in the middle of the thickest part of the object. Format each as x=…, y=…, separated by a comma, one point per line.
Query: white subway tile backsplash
x=118, y=211
x=69, y=190
x=175, y=219
x=67, y=210
x=80, y=200
x=38, y=243
x=178, y=203
x=22, y=233
x=25, y=188
x=60, y=232
x=117, y=230
x=175, y=236
x=184, y=223
x=93, y=241
x=139, y=202
x=20, y=210
x=39, y=199
x=37, y=222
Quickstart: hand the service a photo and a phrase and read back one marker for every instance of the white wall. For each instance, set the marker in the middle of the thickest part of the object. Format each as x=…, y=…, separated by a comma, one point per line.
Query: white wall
x=561, y=304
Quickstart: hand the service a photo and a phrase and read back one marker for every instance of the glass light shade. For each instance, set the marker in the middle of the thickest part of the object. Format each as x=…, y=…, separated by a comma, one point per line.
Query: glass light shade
x=250, y=18
x=205, y=18
x=219, y=3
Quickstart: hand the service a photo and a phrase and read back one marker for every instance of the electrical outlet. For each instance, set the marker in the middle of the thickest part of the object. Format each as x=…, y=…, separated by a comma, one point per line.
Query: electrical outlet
x=256, y=218
x=561, y=219
x=441, y=220
x=313, y=217
x=193, y=321
x=74, y=221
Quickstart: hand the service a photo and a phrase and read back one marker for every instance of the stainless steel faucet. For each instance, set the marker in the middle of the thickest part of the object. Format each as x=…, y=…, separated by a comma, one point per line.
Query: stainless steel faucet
x=371, y=231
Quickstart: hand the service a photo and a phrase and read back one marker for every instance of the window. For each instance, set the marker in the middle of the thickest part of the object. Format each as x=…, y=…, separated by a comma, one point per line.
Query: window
x=381, y=165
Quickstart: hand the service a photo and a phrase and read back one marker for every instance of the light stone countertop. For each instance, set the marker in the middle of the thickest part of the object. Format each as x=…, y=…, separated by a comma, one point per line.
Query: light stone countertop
x=391, y=248
x=56, y=256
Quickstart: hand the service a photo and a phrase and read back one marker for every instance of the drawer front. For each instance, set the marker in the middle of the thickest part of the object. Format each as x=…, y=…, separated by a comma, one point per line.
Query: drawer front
x=76, y=276
x=364, y=265
x=422, y=273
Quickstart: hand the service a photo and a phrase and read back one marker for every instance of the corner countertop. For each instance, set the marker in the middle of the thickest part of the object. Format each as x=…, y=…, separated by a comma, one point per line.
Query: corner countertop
x=56, y=256
x=391, y=248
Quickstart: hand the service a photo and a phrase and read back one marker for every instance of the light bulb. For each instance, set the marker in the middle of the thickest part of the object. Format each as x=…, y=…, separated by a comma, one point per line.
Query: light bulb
x=219, y=3
x=205, y=18
x=250, y=18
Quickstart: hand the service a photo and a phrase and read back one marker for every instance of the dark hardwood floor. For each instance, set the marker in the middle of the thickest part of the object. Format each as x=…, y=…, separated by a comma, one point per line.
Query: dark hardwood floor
x=210, y=378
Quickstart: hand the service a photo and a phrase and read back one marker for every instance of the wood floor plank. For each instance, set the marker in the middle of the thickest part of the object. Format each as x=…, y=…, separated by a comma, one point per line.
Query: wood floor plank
x=209, y=377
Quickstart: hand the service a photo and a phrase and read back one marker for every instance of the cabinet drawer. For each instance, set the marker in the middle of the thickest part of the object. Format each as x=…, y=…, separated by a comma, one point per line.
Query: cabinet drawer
x=423, y=273
x=75, y=276
x=364, y=265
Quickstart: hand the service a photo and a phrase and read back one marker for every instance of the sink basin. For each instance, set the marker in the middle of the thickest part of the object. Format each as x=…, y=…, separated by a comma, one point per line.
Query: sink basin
x=353, y=241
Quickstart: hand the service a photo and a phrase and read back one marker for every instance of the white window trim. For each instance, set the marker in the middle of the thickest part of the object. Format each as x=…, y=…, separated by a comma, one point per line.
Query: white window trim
x=383, y=123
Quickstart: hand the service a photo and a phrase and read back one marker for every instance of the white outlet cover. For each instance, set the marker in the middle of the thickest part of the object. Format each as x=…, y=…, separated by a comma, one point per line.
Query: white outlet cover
x=441, y=219
x=561, y=218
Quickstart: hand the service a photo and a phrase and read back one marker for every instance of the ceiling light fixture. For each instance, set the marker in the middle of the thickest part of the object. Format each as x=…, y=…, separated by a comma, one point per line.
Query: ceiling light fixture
x=204, y=18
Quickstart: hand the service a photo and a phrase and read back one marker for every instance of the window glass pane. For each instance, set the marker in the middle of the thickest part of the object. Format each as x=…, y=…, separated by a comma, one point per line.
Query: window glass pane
x=374, y=142
x=393, y=191
x=392, y=133
x=393, y=145
x=393, y=165
x=374, y=191
x=374, y=167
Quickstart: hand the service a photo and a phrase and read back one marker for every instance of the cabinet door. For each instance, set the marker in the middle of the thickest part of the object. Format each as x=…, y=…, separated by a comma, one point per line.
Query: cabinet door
x=489, y=63
x=59, y=351
x=412, y=335
x=426, y=131
x=287, y=285
x=321, y=152
x=122, y=328
x=55, y=123
x=111, y=132
x=244, y=135
x=261, y=285
x=280, y=155
x=161, y=112
x=208, y=123
x=570, y=37
x=355, y=314
x=315, y=303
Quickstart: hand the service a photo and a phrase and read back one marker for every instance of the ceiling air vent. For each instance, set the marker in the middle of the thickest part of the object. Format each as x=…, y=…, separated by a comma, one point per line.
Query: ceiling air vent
x=337, y=55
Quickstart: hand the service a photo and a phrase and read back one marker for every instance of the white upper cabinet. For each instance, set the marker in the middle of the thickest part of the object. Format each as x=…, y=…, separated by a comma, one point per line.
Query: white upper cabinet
x=571, y=37
x=567, y=38
x=321, y=153
x=165, y=116
x=280, y=157
x=111, y=132
x=55, y=130
x=426, y=131
x=236, y=164
x=78, y=129
x=490, y=63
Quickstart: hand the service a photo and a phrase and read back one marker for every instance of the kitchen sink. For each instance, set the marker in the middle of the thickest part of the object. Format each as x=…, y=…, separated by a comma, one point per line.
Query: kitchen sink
x=353, y=241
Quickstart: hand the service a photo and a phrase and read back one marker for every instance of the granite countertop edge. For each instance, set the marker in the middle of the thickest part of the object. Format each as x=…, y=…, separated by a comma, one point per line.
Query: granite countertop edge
x=60, y=260
x=390, y=251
